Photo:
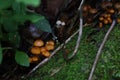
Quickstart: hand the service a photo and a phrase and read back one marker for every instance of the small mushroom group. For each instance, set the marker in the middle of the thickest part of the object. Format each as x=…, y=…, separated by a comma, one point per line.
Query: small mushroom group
x=111, y=11
x=88, y=13
x=103, y=13
x=41, y=49
x=89, y=9
x=105, y=18
x=108, y=16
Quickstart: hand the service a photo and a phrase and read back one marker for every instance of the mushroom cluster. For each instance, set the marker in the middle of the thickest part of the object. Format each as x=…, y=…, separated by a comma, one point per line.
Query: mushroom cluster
x=41, y=49
x=103, y=13
x=111, y=11
x=106, y=18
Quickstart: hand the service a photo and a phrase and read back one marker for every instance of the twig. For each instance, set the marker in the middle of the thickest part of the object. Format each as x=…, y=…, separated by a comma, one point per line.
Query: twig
x=55, y=71
x=7, y=48
x=78, y=41
x=80, y=6
x=80, y=33
x=7, y=75
x=100, y=50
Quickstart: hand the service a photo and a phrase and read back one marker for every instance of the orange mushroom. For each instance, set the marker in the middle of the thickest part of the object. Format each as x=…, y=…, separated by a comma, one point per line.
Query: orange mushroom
x=35, y=50
x=118, y=20
x=111, y=11
x=85, y=8
x=93, y=11
x=108, y=15
x=105, y=21
x=105, y=15
x=42, y=49
x=101, y=18
x=51, y=42
x=30, y=60
x=109, y=20
x=38, y=43
x=100, y=24
x=33, y=59
x=49, y=47
x=117, y=6
x=46, y=54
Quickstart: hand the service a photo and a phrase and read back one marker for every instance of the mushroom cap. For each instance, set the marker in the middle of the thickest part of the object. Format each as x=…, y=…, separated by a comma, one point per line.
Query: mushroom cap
x=117, y=5
x=35, y=58
x=100, y=24
x=49, y=47
x=105, y=21
x=50, y=42
x=111, y=11
x=42, y=49
x=46, y=54
x=118, y=20
x=35, y=50
x=101, y=18
x=93, y=10
x=38, y=43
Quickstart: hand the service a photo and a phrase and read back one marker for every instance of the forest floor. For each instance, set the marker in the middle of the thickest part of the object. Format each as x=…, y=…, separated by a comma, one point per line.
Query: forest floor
x=108, y=67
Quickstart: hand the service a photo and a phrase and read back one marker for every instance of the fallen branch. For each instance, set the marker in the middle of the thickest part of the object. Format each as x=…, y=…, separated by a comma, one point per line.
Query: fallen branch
x=55, y=71
x=79, y=36
x=100, y=50
x=77, y=42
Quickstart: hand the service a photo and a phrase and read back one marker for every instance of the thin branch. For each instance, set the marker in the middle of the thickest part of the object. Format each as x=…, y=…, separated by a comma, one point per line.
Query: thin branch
x=7, y=48
x=55, y=71
x=100, y=50
x=80, y=6
x=78, y=41
x=80, y=33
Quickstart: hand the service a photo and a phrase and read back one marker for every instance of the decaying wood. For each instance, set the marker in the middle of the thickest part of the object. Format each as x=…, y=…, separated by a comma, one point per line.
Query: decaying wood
x=100, y=50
